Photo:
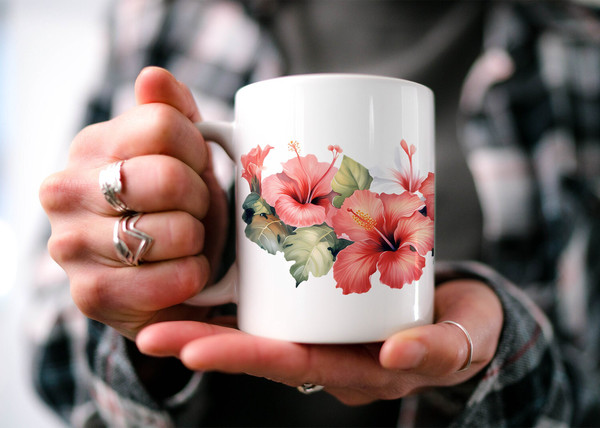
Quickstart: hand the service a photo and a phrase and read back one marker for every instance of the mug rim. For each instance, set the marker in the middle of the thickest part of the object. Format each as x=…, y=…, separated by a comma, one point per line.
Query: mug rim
x=336, y=76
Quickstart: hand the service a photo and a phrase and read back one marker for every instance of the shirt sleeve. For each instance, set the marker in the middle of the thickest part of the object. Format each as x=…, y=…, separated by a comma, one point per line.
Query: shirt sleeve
x=83, y=369
x=525, y=384
x=529, y=145
x=118, y=393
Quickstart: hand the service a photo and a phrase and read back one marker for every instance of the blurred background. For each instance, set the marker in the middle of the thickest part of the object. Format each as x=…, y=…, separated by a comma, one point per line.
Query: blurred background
x=51, y=57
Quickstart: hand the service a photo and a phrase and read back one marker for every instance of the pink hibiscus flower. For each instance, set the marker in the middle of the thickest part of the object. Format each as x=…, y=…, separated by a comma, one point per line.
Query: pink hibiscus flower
x=302, y=193
x=390, y=236
x=252, y=166
x=428, y=191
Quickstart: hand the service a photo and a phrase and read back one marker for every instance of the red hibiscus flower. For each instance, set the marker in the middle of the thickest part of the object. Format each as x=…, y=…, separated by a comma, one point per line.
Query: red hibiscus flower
x=390, y=236
x=252, y=165
x=428, y=191
x=302, y=193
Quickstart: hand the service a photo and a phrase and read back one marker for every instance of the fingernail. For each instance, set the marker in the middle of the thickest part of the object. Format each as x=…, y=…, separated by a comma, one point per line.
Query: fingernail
x=407, y=356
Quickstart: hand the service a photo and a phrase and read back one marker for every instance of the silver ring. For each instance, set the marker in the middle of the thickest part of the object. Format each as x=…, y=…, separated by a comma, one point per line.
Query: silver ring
x=111, y=185
x=469, y=344
x=126, y=225
x=310, y=388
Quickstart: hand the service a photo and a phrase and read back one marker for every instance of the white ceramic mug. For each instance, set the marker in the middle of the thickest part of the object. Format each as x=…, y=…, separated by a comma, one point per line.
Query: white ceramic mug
x=334, y=207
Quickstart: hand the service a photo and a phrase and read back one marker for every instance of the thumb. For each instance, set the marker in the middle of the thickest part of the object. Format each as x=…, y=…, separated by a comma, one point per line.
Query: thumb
x=157, y=85
x=442, y=349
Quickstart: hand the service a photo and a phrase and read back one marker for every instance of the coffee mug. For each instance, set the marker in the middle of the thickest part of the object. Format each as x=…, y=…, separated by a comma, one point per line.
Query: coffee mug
x=334, y=208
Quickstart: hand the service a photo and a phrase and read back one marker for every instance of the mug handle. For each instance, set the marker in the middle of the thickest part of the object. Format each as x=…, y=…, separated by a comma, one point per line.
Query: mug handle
x=224, y=291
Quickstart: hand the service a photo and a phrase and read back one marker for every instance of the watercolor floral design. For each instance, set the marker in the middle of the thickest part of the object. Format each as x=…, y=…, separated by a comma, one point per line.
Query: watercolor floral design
x=323, y=217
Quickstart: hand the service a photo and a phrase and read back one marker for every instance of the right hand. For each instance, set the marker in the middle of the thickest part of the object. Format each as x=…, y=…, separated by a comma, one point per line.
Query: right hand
x=168, y=176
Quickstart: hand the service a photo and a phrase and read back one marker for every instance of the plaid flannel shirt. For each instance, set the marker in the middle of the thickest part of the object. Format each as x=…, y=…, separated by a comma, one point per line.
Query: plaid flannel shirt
x=530, y=127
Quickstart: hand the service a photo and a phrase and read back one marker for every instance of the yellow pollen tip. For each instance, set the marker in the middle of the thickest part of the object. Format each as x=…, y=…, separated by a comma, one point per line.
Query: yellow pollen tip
x=364, y=220
x=294, y=146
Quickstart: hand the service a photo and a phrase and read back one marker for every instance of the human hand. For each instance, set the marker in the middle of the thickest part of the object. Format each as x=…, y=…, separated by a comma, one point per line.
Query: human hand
x=417, y=358
x=168, y=176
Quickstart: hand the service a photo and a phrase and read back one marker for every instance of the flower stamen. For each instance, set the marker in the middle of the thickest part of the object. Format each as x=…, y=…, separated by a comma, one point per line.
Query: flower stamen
x=294, y=146
x=336, y=150
x=368, y=223
x=412, y=177
x=363, y=219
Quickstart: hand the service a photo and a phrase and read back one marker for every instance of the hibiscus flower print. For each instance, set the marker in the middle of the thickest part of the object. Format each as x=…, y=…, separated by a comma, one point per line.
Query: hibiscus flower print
x=428, y=191
x=401, y=177
x=301, y=194
x=252, y=167
x=390, y=236
x=325, y=218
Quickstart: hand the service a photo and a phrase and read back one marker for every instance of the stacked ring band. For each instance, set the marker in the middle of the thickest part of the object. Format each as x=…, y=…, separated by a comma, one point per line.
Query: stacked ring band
x=111, y=185
x=126, y=225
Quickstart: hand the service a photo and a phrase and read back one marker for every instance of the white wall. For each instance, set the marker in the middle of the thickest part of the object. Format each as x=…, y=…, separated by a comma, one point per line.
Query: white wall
x=51, y=53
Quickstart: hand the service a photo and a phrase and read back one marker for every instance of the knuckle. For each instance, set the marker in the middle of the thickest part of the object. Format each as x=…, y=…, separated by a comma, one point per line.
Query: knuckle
x=66, y=246
x=195, y=234
x=190, y=275
x=89, y=294
x=85, y=141
x=205, y=155
x=164, y=121
x=173, y=182
x=186, y=233
x=57, y=192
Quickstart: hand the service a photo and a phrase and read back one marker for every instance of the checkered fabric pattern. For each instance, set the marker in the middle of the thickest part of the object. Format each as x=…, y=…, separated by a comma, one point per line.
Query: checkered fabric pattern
x=530, y=126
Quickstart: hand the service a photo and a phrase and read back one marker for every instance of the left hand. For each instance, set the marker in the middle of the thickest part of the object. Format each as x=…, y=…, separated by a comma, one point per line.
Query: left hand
x=410, y=360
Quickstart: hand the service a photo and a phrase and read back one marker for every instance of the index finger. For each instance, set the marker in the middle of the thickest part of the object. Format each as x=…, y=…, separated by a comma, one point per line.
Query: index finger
x=210, y=347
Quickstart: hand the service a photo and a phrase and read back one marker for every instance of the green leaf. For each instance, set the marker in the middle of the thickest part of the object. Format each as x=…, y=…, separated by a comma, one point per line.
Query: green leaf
x=268, y=231
x=340, y=245
x=351, y=176
x=255, y=205
x=313, y=249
